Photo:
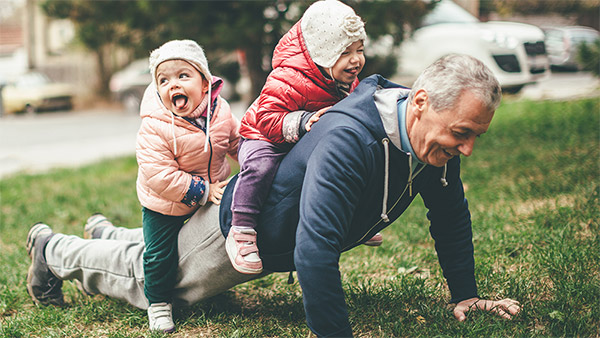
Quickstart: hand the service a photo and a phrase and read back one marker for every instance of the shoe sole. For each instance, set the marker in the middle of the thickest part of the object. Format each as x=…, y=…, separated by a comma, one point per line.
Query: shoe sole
x=30, y=277
x=33, y=233
x=30, y=288
x=35, y=230
x=373, y=243
x=89, y=227
x=232, y=253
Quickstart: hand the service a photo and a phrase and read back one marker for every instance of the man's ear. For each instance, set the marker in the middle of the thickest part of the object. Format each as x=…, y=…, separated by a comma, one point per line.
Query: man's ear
x=420, y=102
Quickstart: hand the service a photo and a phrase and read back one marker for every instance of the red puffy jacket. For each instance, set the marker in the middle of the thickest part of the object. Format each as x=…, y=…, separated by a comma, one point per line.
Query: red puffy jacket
x=295, y=83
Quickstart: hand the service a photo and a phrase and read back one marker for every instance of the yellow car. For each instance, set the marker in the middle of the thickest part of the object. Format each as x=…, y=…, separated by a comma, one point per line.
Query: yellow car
x=33, y=92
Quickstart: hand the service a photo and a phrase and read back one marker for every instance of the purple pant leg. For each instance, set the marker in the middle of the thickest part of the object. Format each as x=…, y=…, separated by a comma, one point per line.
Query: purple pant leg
x=259, y=161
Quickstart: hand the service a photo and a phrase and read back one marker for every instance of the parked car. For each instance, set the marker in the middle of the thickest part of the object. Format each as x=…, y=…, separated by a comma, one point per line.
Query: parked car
x=562, y=44
x=129, y=84
x=515, y=52
x=33, y=91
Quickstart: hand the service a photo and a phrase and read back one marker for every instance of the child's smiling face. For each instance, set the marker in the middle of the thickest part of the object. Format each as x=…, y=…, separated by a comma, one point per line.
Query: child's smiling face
x=350, y=63
x=181, y=86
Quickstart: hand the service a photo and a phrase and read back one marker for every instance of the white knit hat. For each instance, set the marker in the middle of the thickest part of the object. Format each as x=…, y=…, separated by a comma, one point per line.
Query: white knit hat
x=328, y=28
x=186, y=50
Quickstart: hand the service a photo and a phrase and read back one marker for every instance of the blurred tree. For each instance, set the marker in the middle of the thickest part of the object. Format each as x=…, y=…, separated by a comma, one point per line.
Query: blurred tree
x=587, y=11
x=248, y=30
x=100, y=27
x=588, y=56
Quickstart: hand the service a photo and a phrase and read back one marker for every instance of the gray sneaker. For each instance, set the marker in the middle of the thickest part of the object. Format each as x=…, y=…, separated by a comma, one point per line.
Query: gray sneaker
x=42, y=285
x=95, y=225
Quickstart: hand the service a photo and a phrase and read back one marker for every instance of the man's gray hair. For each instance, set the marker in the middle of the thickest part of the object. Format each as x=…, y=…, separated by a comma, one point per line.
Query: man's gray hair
x=449, y=76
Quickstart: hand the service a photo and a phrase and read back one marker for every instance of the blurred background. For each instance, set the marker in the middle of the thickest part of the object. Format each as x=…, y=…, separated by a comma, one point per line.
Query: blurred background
x=86, y=61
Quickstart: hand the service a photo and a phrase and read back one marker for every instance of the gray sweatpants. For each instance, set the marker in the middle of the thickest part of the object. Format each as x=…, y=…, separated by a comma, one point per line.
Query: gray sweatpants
x=112, y=266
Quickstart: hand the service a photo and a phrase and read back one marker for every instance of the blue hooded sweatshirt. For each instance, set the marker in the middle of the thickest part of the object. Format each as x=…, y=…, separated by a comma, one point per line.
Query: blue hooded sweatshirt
x=343, y=182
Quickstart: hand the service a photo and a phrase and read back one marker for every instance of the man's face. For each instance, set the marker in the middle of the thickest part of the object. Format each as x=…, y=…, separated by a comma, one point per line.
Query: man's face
x=181, y=86
x=437, y=136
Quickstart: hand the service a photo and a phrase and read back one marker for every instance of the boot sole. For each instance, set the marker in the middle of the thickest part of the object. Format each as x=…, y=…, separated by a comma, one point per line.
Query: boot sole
x=33, y=233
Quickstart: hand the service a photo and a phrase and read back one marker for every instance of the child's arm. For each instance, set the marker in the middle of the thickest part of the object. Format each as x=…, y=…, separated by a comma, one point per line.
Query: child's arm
x=201, y=192
x=298, y=123
x=314, y=118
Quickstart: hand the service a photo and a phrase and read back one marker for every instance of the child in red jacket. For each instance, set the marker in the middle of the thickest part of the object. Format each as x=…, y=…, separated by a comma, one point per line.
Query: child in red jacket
x=315, y=65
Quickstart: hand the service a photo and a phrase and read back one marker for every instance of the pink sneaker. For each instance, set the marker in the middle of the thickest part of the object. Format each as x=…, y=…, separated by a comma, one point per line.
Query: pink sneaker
x=243, y=252
x=376, y=240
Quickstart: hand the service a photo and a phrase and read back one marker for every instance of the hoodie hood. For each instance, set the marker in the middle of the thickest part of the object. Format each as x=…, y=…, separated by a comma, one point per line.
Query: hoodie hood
x=383, y=90
x=385, y=129
x=291, y=52
x=386, y=100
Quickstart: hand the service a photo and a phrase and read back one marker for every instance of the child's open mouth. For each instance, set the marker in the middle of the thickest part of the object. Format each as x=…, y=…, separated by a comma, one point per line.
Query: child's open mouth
x=179, y=101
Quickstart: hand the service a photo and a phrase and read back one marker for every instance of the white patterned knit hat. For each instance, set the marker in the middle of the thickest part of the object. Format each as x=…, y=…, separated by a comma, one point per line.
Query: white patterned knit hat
x=186, y=50
x=328, y=28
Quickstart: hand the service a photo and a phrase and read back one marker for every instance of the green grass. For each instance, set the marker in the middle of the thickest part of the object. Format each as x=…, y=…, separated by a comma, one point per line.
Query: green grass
x=533, y=187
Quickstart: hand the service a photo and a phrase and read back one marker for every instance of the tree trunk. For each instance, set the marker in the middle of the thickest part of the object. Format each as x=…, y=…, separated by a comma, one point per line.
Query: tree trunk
x=255, y=71
x=103, y=73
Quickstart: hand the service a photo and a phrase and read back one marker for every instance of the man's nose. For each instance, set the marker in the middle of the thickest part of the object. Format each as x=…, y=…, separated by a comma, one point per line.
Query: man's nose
x=466, y=148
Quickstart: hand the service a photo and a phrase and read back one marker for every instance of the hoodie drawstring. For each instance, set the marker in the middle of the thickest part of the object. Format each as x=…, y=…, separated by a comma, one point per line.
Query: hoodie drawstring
x=443, y=179
x=410, y=175
x=386, y=150
x=208, y=110
x=173, y=133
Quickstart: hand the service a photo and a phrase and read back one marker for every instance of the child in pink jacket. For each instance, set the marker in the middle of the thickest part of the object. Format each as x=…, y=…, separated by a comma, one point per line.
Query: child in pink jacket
x=186, y=132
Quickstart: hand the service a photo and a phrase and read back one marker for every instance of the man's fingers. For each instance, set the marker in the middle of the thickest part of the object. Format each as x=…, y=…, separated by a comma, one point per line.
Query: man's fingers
x=459, y=313
x=500, y=312
x=505, y=308
x=512, y=306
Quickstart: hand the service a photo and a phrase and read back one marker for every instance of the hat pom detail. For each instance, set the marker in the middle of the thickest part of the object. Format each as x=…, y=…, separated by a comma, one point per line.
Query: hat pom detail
x=353, y=26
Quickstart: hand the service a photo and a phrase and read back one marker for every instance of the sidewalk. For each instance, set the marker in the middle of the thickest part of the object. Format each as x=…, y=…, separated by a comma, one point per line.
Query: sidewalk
x=34, y=144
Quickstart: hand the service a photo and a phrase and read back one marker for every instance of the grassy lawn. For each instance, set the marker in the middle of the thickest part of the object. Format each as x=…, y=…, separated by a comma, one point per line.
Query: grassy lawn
x=532, y=183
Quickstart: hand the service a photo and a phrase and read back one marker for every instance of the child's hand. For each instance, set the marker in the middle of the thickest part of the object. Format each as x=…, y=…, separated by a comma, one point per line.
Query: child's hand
x=315, y=118
x=215, y=192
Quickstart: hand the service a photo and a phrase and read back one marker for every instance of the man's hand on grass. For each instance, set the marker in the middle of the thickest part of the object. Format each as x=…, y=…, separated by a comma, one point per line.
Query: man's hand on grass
x=506, y=308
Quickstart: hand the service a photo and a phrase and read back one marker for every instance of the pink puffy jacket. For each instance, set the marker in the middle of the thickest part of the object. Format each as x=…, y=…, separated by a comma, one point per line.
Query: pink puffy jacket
x=164, y=176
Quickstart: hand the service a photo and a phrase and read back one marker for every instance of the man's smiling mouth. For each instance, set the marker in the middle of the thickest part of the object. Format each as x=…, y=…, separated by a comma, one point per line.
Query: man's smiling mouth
x=448, y=153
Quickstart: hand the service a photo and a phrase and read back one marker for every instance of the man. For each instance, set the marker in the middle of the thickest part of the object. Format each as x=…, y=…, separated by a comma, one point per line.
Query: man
x=352, y=175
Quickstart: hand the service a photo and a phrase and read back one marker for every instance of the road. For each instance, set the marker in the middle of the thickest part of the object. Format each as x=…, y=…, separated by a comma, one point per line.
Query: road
x=37, y=143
